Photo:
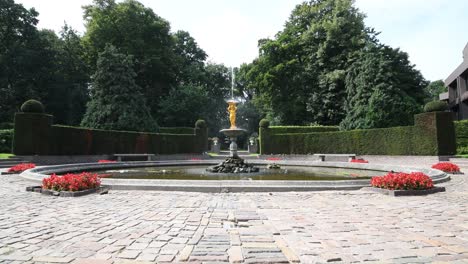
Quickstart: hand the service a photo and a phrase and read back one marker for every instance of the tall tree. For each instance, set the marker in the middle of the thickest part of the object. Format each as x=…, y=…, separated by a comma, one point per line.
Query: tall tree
x=18, y=37
x=384, y=89
x=136, y=30
x=299, y=74
x=190, y=59
x=116, y=100
x=434, y=89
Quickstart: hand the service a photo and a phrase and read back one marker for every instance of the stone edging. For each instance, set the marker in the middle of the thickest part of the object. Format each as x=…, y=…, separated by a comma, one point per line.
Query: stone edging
x=405, y=192
x=37, y=174
x=39, y=189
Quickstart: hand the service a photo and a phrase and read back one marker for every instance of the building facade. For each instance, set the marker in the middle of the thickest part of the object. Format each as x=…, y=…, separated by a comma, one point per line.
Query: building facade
x=457, y=84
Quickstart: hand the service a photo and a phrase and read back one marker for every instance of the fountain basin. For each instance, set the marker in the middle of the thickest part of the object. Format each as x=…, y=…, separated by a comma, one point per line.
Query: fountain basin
x=228, y=185
x=233, y=132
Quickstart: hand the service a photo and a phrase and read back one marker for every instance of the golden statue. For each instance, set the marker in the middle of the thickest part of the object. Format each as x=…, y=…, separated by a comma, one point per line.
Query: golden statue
x=232, y=113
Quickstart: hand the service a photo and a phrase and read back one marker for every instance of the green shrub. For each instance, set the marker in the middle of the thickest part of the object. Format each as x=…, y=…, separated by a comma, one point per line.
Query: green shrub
x=436, y=106
x=200, y=123
x=265, y=123
x=6, y=137
x=32, y=106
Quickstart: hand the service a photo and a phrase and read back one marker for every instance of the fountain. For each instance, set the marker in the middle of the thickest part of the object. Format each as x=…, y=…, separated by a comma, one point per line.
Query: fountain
x=233, y=164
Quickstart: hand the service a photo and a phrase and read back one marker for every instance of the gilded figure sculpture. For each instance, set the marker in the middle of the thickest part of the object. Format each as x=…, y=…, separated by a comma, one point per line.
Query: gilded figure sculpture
x=232, y=113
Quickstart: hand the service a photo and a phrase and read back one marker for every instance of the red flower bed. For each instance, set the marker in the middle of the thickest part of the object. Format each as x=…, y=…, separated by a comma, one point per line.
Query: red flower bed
x=195, y=159
x=72, y=182
x=403, y=181
x=273, y=159
x=22, y=167
x=359, y=161
x=106, y=161
x=446, y=167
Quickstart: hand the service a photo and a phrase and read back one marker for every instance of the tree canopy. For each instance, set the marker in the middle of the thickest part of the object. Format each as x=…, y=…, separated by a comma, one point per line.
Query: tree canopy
x=324, y=67
x=116, y=99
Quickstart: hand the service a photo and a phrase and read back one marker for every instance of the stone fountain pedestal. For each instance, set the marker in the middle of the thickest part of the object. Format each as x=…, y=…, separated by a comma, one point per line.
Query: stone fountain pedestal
x=233, y=164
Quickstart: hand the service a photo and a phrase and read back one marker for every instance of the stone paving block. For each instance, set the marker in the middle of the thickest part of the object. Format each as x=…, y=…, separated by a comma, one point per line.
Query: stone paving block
x=165, y=258
x=185, y=253
x=129, y=254
x=93, y=261
x=52, y=259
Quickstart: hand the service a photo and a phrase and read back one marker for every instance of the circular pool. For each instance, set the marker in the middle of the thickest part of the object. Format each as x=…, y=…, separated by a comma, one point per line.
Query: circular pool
x=293, y=175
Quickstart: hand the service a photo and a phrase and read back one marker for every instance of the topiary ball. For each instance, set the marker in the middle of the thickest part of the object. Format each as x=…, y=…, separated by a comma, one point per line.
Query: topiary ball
x=265, y=123
x=436, y=106
x=32, y=106
x=200, y=123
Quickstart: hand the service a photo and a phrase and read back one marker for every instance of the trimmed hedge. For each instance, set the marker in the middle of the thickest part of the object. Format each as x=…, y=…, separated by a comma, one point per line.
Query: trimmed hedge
x=176, y=130
x=433, y=134
x=6, y=139
x=461, y=132
x=435, y=106
x=32, y=106
x=34, y=135
x=301, y=129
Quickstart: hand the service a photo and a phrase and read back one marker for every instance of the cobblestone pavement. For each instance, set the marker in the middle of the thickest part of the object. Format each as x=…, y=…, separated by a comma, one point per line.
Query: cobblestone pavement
x=309, y=227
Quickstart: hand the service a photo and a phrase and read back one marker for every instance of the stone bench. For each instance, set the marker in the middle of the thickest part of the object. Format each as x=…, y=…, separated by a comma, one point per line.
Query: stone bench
x=148, y=157
x=322, y=156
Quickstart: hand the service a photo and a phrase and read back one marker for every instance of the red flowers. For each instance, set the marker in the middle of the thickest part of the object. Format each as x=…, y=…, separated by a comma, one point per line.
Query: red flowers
x=446, y=167
x=403, y=181
x=106, y=161
x=72, y=182
x=274, y=159
x=22, y=167
x=359, y=161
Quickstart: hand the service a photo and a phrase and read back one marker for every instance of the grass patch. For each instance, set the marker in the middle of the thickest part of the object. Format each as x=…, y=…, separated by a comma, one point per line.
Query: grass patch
x=5, y=155
x=462, y=156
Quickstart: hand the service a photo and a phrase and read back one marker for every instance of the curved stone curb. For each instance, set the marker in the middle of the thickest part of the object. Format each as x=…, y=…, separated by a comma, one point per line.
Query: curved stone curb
x=37, y=174
x=405, y=192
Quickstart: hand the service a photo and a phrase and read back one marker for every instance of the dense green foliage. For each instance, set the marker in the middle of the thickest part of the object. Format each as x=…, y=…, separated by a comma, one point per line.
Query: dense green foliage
x=461, y=131
x=431, y=135
x=32, y=106
x=56, y=70
x=116, y=100
x=434, y=89
x=326, y=66
x=436, y=106
x=138, y=31
x=383, y=89
x=6, y=138
x=38, y=64
x=176, y=130
x=300, y=129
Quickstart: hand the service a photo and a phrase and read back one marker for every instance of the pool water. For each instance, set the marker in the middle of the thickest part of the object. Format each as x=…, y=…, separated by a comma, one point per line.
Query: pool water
x=290, y=173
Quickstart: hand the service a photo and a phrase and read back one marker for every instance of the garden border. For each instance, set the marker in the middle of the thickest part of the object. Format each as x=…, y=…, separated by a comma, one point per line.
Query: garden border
x=37, y=174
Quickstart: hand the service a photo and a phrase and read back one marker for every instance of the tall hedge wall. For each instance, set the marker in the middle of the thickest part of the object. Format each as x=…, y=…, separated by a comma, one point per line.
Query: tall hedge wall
x=461, y=132
x=433, y=134
x=176, y=130
x=301, y=129
x=6, y=138
x=65, y=140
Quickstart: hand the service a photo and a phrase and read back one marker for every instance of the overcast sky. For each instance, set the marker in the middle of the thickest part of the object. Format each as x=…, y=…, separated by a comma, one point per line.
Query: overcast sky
x=432, y=32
